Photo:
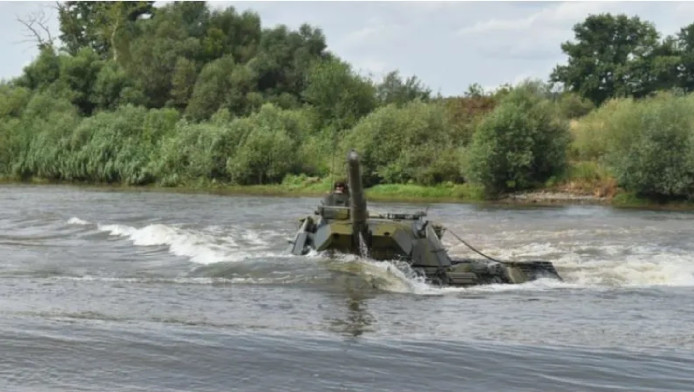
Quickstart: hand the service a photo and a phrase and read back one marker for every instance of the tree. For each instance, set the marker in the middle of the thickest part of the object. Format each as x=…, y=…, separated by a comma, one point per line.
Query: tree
x=394, y=90
x=685, y=45
x=41, y=72
x=98, y=24
x=475, y=90
x=211, y=88
x=155, y=54
x=519, y=144
x=610, y=57
x=230, y=33
x=664, y=70
x=285, y=57
x=183, y=82
x=13, y=100
x=113, y=88
x=36, y=25
x=339, y=96
x=79, y=73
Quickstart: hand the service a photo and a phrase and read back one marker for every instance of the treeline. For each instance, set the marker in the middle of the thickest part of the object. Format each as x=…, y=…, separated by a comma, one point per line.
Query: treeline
x=621, y=57
x=180, y=94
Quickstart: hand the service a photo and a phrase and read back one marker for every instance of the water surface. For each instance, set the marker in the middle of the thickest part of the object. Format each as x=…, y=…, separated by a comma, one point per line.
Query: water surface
x=104, y=290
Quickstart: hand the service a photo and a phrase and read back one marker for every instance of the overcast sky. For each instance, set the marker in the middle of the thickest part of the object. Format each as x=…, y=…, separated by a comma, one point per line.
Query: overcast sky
x=447, y=45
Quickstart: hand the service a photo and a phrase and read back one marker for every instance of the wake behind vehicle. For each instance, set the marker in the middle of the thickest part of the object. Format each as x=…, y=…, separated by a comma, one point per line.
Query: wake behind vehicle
x=349, y=228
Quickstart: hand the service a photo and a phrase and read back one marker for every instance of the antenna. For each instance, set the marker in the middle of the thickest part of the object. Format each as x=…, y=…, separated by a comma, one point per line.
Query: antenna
x=336, y=136
x=332, y=164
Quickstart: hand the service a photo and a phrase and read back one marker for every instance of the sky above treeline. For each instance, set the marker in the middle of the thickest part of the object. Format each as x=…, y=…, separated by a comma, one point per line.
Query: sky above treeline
x=447, y=45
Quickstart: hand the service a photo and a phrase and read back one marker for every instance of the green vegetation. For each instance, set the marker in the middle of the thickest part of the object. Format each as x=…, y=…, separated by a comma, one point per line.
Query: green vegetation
x=447, y=191
x=647, y=144
x=185, y=96
x=617, y=56
x=413, y=143
x=521, y=143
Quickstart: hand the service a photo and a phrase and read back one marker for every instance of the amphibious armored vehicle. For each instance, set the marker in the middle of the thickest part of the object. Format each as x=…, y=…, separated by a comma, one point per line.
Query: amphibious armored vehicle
x=349, y=228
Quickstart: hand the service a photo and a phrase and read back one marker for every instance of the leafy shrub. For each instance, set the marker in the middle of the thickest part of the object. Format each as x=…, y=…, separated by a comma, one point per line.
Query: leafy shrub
x=257, y=149
x=651, y=146
x=521, y=143
x=268, y=151
x=465, y=114
x=571, y=105
x=109, y=147
x=408, y=144
x=13, y=100
x=35, y=142
x=590, y=134
x=197, y=151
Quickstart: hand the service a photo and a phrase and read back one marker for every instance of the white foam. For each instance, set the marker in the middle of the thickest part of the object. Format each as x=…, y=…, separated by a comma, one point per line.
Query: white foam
x=178, y=280
x=611, y=264
x=391, y=276
x=535, y=285
x=616, y=262
x=77, y=221
x=253, y=237
x=203, y=247
x=638, y=270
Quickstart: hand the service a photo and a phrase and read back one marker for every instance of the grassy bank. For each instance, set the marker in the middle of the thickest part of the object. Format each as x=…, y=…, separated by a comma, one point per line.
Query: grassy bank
x=557, y=194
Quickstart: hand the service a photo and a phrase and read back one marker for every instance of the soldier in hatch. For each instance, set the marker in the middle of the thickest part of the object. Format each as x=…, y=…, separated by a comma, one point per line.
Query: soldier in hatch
x=339, y=196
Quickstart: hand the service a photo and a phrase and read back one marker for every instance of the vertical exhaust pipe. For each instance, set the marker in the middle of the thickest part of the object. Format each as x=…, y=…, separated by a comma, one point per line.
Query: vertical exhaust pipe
x=357, y=204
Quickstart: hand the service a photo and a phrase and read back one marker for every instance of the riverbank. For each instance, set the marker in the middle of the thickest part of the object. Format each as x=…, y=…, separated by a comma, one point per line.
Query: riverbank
x=443, y=193
x=555, y=197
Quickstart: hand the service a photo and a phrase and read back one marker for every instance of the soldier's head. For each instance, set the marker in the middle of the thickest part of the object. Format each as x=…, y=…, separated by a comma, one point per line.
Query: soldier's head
x=340, y=187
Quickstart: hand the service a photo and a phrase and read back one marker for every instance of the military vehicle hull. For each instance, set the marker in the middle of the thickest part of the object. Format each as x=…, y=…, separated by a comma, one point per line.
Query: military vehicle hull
x=414, y=240
x=403, y=237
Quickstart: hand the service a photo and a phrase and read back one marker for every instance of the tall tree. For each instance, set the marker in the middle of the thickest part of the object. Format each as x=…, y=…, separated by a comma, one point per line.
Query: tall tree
x=41, y=72
x=393, y=89
x=285, y=57
x=610, y=57
x=98, y=24
x=156, y=52
x=339, y=96
x=79, y=74
x=183, y=82
x=685, y=45
x=231, y=33
x=211, y=88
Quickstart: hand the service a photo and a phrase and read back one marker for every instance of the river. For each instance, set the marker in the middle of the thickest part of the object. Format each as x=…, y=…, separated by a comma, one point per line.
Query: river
x=108, y=290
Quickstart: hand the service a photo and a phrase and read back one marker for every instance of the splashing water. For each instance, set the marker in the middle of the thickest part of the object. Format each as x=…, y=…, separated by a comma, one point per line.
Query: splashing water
x=609, y=262
x=202, y=246
x=363, y=248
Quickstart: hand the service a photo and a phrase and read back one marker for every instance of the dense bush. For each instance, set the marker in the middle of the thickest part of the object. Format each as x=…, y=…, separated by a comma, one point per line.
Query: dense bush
x=647, y=144
x=118, y=146
x=521, y=143
x=51, y=141
x=571, y=105
x=262, y=105
x=465, y=113
x=261, y=148
x=590, y=133
x=651, y=146
x=410, y=143
x=197, y=151
x=13, y=100
x=35, y=141
x=268, y=151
